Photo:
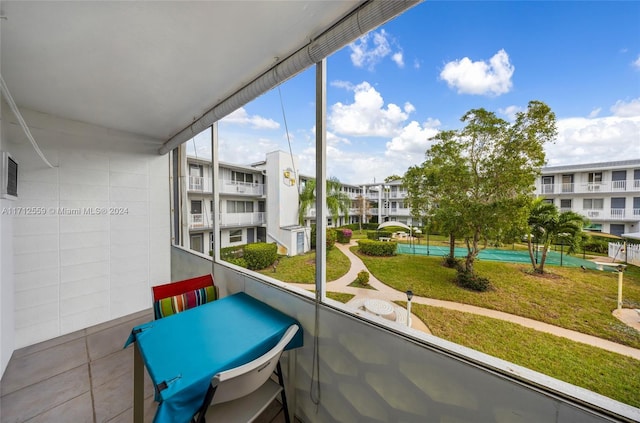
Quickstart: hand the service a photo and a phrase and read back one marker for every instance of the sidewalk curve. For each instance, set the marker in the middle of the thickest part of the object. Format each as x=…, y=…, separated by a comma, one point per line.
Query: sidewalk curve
x=386, y=292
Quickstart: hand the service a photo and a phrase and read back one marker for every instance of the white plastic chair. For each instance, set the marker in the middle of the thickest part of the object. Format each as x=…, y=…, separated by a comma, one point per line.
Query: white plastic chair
x=241, y=394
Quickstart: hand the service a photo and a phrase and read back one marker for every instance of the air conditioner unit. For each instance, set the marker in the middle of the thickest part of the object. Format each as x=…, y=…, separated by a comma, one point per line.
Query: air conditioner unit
x=593, y=214
x=9, y=179
x=594, y=187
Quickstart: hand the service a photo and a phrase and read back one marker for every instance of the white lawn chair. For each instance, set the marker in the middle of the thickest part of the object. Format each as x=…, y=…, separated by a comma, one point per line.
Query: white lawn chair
x=241, y=394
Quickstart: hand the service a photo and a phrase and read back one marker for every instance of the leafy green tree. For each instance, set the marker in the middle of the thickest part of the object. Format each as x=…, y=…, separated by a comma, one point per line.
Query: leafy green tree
x=392, y=178
x=484, y=173
x=547, y=226
x=337, y=201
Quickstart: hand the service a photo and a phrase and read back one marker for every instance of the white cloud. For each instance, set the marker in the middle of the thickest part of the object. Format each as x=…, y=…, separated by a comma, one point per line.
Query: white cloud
x=626, y=109
x=353, y=167
x=584, y=140
x=246, y=152
x=636, y=63
x=369, y=50
x=241, y=117
x=595, y=112
x=480, y=78
x=397, y=58
x=510, y=112
x=367, y=115
x=412, y=142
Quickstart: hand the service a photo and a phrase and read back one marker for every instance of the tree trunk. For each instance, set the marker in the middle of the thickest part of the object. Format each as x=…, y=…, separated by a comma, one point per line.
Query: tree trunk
x=544, y=257
x=531, y=253
x=472, y=252
x=452, y=245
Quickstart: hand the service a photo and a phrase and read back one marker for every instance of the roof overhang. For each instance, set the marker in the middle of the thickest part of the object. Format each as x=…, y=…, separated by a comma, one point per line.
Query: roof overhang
x=154, y=67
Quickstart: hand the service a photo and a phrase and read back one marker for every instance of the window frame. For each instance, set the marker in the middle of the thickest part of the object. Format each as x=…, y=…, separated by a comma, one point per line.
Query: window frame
x=235, y=233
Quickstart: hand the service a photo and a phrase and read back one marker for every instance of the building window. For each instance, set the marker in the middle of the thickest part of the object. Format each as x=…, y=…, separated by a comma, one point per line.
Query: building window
x=235, y=235
x=195, y=170
x=241, y=177
x=196, y=242
x=593, y=204
x=595, y=177
x=239, y=206
x=548, y=200
x=196, y=207
x=567, y=183
x=565, y=203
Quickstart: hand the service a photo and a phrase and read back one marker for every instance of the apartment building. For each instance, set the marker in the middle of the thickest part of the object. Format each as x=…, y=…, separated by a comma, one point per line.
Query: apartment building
x=607, y=193
x=259, y=203
x=242, y=205
x=244, y=198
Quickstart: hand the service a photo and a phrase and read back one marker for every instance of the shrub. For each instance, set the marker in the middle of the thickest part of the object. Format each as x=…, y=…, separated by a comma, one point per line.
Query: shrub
x=260, y=255
x=238, y=262
x=344, y=235
x=377, y=248
x=596, y=245
x=229, y=253
x=472, y=281
x=363, y=278
x=377, y=234
x=450, y=262
x=331, y=237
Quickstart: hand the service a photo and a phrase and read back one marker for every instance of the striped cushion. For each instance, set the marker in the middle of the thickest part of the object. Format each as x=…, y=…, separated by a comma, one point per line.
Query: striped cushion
x=172, y=305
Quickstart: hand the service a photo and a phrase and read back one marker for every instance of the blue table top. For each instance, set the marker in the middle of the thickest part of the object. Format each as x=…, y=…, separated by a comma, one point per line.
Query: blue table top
x=184, y=351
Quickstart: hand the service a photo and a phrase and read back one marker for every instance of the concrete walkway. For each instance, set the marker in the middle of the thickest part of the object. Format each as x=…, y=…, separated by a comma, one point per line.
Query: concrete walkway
x=385, y=292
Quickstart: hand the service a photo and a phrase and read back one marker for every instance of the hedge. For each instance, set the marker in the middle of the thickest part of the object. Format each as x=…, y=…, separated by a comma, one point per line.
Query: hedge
x=344, y=235
x=377, y=234
x=377, y=248
x=331, y=237
x=260, y=255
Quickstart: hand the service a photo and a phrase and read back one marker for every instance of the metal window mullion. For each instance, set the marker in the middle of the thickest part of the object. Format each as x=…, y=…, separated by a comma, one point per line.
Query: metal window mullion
x=321, y=179
x=215, y=191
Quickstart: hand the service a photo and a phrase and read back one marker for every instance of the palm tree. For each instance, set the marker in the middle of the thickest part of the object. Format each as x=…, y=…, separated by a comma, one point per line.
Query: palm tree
x=337, y=201
x=548, y=226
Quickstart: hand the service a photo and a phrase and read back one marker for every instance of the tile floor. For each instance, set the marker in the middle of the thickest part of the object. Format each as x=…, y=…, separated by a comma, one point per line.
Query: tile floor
x=82, y=377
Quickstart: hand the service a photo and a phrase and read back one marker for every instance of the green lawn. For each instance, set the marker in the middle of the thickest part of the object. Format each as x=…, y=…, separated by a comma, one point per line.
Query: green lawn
x=606, y=373
x=302, y=268
x=568, y=297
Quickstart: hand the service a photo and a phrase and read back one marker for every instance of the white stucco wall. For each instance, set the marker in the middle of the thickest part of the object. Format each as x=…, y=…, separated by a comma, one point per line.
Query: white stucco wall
x=6, y=269
x=96, y=260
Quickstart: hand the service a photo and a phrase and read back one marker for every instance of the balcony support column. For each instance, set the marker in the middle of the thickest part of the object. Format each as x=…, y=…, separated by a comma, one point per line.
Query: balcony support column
x=321, y=179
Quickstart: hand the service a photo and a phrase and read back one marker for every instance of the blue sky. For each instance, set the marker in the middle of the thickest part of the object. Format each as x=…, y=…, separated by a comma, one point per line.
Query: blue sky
x=396, y=87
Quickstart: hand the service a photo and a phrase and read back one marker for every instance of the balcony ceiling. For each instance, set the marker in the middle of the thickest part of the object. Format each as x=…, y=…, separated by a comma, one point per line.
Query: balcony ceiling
x=148, y=67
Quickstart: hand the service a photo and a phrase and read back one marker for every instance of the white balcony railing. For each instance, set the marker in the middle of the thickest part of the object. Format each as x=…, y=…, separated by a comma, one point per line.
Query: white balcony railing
x=547, y=188
x=617, y=213
x=567, y=187
x=199, y=183
x=618, y=185
x=196, y=220
x=243, y=188
x=591, y=187
x=200, y=221
x=636, y=212
x=242, y=219
x=399, y=211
